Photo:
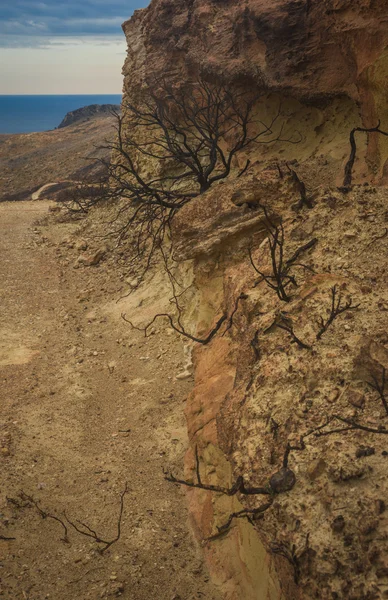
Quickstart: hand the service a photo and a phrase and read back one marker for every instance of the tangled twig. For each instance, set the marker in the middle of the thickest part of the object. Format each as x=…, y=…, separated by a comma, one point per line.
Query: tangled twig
x=287, y=325
x=44, y=514
x=379, y=387
x=335, y=310
x=89, y=532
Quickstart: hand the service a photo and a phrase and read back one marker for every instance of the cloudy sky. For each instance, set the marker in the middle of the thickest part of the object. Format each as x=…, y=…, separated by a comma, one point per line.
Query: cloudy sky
x=63, y=46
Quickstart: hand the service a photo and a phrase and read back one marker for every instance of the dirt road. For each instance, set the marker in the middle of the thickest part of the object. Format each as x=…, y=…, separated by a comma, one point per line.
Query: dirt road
x=86, y=406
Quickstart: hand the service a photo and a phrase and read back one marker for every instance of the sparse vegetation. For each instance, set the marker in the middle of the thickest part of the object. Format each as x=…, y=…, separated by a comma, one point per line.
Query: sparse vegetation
x=173, y=144
x=336, y=309
x=280, y=278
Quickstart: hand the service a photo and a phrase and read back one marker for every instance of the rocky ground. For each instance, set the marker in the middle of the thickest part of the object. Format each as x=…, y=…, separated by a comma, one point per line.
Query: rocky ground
x=88, y=407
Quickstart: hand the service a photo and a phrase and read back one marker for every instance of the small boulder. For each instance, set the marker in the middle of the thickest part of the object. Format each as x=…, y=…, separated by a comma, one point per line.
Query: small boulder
x=283, y=480
x=91, y=260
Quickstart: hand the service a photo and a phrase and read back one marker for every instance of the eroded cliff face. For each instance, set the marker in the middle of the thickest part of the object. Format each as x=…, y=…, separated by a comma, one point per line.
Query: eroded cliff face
x=257, y=389
x=326, y=61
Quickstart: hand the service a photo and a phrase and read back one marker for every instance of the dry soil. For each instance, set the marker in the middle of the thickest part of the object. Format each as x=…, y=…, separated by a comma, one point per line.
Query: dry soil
x=86, y=406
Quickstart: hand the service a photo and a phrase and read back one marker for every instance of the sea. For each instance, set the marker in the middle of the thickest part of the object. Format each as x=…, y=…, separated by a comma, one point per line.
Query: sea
x=26, y=114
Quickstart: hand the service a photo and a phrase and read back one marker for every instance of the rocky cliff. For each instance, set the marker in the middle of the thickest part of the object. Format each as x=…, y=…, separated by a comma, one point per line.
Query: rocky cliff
x=325, y=61
x=86, y=113
x=290, y=396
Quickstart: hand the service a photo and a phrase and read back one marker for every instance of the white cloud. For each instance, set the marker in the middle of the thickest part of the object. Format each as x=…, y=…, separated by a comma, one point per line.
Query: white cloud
x=64, y=66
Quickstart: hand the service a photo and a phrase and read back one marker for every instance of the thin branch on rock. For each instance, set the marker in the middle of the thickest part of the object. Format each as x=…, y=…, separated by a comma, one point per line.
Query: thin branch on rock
x=304, y=199
x=44, y=514
x=291, y=555
x=6, y=539
x=179, y=328
x=244, y=169
x=88, y=532
x=292, y=261
x=237, y=487
x=351, y=425
x=335, y=310
x=287, y=325
x=379, y=387
x=353, y=151
x=242, y=296
x=280, y=277
x=247, y=513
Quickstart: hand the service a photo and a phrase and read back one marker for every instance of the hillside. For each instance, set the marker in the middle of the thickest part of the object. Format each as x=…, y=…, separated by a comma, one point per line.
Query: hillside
x=31, y=160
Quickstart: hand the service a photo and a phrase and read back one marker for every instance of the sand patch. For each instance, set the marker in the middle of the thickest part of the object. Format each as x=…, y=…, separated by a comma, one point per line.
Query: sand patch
x=12, y=352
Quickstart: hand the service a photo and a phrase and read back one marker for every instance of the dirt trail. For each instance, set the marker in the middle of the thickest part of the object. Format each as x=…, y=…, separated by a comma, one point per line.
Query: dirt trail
x=86, y=405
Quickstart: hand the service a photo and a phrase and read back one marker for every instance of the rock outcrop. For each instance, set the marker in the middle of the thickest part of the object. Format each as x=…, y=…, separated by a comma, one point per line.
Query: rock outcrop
x=88, y=112
x=259, y=389
x=326, y=61
x=272, y=386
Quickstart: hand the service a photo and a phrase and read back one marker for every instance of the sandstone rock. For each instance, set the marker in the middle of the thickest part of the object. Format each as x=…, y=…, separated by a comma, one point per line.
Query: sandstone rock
x=183, y=375
x=362, y=451
x=305, y=50
x=90, y=260
x=81, y=245
x=132, y=282
x=316, y=469
x=356, y=398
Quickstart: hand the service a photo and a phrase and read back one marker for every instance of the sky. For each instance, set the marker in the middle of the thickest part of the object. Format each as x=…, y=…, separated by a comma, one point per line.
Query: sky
x=63, y=46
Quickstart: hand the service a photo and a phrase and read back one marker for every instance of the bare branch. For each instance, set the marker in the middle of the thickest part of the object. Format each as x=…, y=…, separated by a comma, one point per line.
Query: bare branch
x=353, y=150
x=287, y=325
x=85, y=530
x=335, y=310
x=280, y=277
x=44, y=514
x=304, y=199
x=351, y=425
x=379, y=387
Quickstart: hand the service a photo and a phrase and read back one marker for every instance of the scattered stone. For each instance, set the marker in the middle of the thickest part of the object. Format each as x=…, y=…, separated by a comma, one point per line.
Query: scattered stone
x=81, y=245
x=316, y=468
x=364, y=451
x=133, y=283
x=332, y=397
x=356, y=398
x=183, y=375
x=338, y=525
x=283, y=480
x=91, y=260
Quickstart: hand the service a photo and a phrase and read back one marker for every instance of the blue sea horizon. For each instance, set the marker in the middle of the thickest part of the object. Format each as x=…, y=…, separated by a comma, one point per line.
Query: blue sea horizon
x=34, y=113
